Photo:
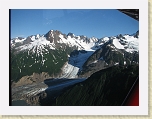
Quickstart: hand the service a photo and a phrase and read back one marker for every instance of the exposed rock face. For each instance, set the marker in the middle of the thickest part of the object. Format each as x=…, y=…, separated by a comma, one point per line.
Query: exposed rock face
x=31, y=79
x=36, y=100
x=40, y=77
x=50, y=53
x=28, y=40
x=71, y=34
x=108, y=56
x=53, y=36
x=49, y=37
x=23, y=81
x=137, y=34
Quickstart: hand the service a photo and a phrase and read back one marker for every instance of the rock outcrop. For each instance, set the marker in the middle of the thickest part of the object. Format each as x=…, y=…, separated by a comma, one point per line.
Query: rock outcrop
x=34, y=78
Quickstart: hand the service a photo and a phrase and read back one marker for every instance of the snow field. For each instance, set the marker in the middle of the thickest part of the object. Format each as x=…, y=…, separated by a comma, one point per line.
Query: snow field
x=117, y=44
x=75, y=63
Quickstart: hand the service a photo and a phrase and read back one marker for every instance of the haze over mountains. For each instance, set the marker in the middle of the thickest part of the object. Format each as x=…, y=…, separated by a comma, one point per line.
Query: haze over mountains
x=68, y=56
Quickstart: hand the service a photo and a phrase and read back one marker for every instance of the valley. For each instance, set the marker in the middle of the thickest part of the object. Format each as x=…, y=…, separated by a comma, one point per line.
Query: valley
x=47, y=68
x=32, y=93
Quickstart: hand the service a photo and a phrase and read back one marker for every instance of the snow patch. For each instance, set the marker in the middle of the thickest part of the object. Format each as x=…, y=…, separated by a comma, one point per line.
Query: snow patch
x=124, y=62
x=95, y=61
x=17, y=40
x=132, y=43
x=105, y=39
x=117, y=63
x=39, y=43
x=117, y=44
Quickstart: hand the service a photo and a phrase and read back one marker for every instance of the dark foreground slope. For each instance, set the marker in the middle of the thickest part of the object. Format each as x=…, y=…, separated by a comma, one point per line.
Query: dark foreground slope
x=107, y=87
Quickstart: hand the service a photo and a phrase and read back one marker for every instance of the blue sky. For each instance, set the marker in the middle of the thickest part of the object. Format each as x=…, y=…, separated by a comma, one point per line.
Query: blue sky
x=89, y=22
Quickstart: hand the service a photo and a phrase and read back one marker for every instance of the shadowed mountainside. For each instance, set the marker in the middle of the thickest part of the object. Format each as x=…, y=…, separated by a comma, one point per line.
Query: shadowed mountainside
x=107, y=87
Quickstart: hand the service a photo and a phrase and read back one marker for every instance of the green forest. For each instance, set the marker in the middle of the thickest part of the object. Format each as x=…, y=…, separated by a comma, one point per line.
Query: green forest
x=26, y=62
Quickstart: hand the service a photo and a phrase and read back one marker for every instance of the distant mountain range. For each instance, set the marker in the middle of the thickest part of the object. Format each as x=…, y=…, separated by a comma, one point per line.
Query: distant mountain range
x=70, y=56
x=67, y=56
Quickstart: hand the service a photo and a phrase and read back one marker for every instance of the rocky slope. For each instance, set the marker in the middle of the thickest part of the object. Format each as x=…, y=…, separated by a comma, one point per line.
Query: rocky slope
x=51, y=52
x=120, y=50
x=56, y=55
x=107, y=87
x=47, y=53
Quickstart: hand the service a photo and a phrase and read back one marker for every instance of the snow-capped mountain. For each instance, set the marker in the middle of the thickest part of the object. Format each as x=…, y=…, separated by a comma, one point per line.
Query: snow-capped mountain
x=54, y=39
x=115, y=51
x=64, y=56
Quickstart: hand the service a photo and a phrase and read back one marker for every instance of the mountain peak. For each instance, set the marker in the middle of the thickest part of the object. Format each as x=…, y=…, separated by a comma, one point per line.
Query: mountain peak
x=136, y=34
x=38, y=36
x=71, y=34
x=54, y=38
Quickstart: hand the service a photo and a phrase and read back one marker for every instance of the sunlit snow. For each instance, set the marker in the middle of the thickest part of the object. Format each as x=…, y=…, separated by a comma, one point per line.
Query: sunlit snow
x=132, y=43
x=18, y=40
x=75, y=63
x=117, y=44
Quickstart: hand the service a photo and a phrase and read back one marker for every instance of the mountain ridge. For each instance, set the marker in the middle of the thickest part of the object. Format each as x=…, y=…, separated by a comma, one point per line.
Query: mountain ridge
x=56, y=48
x=57, y=57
